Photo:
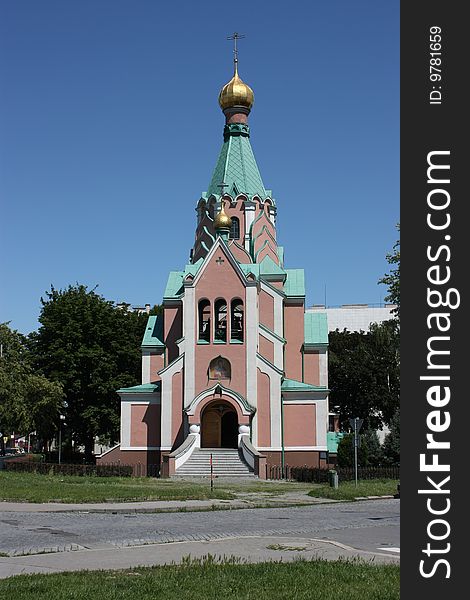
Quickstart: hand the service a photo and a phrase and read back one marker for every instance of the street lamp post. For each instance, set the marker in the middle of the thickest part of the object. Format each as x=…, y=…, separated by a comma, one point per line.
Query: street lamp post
x=356, y=425
x=62, y=418
x=29, y=440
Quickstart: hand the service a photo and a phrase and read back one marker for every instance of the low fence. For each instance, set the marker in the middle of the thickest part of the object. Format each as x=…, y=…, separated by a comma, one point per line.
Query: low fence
x=317, y=475
x=110, y=470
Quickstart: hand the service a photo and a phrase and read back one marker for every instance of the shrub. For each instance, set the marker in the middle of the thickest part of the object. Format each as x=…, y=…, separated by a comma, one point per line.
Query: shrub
x=317, y=475
x=117, y=470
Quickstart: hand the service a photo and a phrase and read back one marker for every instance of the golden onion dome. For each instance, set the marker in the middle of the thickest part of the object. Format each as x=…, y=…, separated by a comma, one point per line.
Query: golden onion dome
x=222, y=220
x=236, y=93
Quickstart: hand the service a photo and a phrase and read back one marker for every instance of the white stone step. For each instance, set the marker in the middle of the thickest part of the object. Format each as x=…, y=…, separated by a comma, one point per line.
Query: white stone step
x=226, y=462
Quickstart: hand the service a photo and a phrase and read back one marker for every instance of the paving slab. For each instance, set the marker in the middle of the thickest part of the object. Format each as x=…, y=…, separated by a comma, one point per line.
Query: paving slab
x=246, y=548
x=244, y=501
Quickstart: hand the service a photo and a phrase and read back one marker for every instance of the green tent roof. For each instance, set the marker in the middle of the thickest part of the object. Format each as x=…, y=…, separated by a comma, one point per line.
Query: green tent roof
x=236, y=166
x=315, y=328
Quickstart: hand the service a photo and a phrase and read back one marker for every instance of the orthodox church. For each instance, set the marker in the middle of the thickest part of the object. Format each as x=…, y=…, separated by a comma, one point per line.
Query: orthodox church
x=233, y=368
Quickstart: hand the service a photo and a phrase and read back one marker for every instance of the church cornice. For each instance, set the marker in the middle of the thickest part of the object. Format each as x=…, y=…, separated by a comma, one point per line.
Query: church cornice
x=233, y=129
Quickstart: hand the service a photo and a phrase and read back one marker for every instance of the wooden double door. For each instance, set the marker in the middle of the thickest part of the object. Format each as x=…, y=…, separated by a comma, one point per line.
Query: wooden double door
x=219, y=427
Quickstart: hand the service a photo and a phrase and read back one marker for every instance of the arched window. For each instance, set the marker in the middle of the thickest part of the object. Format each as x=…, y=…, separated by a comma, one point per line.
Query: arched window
x=204, y=321
x=220, y=333
x=236, y=321
x=235, y=229
x=219, y=368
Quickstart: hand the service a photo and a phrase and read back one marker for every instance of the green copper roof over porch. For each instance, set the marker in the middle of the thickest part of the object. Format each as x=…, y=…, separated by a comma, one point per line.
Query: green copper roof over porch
x=236, y=165
x=291, y=385
x=145, y=388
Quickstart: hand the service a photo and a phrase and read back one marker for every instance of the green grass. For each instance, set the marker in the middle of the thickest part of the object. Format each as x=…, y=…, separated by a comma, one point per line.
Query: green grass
x=33, y=487
x=211, y=580
x=347, y=490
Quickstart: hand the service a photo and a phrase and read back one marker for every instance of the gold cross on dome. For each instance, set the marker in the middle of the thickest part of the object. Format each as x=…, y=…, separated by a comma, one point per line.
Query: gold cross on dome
x=236, y=36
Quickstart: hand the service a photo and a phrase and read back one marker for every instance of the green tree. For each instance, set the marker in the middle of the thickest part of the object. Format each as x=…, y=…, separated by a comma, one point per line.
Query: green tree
x=391, y=446
x=392, y=279
x=374, y=449
x=92, y=349
x=156, y=310
x=28, y=400
x=345, y=455
x=364, y=374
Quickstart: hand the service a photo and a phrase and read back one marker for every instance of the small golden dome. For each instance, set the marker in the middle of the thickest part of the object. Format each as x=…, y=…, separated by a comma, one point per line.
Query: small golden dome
x=236, y=93
x=222, y=220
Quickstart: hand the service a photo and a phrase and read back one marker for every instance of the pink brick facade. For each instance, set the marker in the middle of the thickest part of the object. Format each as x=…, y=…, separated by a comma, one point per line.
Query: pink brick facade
x=233, y=336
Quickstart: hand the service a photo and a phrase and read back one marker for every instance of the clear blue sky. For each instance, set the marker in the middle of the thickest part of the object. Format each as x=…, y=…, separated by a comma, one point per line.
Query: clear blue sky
x=110, y=130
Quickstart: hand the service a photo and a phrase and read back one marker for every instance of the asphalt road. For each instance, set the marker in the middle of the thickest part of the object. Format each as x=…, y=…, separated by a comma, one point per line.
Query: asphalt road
x=366, y=525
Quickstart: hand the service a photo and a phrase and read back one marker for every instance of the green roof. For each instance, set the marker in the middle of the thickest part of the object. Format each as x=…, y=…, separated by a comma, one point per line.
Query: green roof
x=153, y=335
x=193, y=268
x=251, y=268
x=333, y=438
x=295, y=282
x=174, y=284
x=315, y=328
x=269, y=267
x=291, y=385
x=236, y=166
x=145, y=388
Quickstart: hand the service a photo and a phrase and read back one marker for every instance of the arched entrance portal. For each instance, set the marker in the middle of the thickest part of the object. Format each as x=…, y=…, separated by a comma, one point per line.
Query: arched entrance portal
x=219, y=426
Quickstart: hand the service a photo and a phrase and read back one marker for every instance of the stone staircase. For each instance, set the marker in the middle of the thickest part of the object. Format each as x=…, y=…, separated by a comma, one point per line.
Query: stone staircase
x=226, y=462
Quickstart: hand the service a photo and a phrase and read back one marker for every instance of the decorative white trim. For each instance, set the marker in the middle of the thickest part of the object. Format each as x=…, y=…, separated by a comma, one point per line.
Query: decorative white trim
x=275, y=399
x=180, y=344
x=278, y=298
x=321, y=414
x=167, y=392
x=141, y=447
x=127, y=401
x=251, y=334
x=125, y=424
x=301, y=397
x=290, y=402
x=305, y=448
x=237, y=398
x=323, y=367
x=146, y=366
x=189, y=335
x=272, y=215
x=278, y=346
x=192, y=441
x=294, y=448
x=222, y=247
x=109, y=450
x=155, y=400
x=249, y=211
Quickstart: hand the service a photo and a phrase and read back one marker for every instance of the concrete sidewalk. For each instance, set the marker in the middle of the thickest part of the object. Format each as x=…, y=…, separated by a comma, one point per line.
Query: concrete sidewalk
x=245, y=500
x=247, y=548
